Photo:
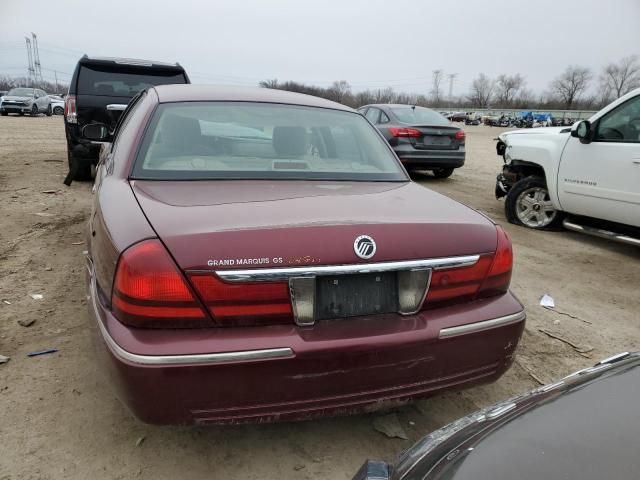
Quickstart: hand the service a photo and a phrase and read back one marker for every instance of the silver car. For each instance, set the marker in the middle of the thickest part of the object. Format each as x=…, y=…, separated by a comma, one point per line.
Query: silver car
x=26, y=100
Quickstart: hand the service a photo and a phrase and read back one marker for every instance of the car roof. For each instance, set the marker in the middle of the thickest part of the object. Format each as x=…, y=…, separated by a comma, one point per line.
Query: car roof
x=87, y=60
x=213, y=93
x=381, y=105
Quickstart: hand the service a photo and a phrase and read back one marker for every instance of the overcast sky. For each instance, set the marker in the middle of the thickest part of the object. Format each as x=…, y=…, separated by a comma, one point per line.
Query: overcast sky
x=369, y=43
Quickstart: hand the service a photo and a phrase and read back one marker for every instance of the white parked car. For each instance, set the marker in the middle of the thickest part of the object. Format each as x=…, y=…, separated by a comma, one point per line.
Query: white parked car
x=25, y=100
x=585, y=177
x=57, y=104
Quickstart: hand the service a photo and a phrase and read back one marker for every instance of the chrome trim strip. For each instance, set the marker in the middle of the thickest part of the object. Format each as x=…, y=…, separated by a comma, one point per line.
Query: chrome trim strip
x=199, y=358
x=599, y=232
x=119, y=107
x=283, y=274
x=484, y=325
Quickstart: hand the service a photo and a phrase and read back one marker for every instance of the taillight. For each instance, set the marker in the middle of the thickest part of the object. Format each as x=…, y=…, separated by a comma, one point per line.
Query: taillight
x=405, y=132
x=459, y=135
x=499, y=276
x=458, y=284
x=244, y=304
x=489, y=276
x=149, y=291
x=70, y=112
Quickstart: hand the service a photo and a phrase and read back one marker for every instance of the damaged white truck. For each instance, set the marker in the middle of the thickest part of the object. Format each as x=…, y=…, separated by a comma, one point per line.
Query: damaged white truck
x=584, y=178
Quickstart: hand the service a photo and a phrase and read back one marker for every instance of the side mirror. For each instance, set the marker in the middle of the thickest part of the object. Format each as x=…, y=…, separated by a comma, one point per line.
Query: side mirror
x=582, y=130
x=95, y=131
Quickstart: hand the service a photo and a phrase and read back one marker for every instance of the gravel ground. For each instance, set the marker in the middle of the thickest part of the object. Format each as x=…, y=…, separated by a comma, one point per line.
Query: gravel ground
x=59, y=420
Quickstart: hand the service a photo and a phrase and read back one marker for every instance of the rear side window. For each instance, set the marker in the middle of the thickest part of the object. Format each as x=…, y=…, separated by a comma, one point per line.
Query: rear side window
x=107, y=82
x=215, y=140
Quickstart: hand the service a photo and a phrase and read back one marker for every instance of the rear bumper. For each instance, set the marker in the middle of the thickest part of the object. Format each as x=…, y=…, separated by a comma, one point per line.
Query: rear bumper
x=431, y=158
x=80, y=148
x=238, y=375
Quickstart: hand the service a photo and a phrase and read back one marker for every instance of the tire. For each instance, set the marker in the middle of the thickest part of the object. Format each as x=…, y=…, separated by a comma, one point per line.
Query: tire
x=4, y=114
x=49, y=111
x=81, y=168
x=442, y=172
x=34, y=111
x=528, y=204
x=58, y=111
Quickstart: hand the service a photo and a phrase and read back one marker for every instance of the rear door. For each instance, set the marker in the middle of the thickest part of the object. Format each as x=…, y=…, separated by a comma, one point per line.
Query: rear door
x=601, y=179
x=104, y=91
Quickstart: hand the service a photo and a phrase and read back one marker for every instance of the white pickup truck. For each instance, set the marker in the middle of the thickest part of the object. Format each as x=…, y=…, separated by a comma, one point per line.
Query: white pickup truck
x=585, y=177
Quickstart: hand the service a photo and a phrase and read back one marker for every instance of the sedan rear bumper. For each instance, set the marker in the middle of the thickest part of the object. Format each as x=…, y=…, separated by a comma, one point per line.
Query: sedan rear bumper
x=431, y=158
x=282, y=372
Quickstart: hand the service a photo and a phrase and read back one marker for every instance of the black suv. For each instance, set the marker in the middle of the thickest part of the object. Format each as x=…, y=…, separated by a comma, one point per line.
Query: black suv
x=100, y=90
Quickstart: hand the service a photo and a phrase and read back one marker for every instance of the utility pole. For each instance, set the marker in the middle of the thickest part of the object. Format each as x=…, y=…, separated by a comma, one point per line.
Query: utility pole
x=55, y=72
x=36, y=57
x=31, y=71
x=452, y=77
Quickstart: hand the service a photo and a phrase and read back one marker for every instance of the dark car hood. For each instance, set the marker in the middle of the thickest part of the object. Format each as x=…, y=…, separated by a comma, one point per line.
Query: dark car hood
x=308, y=222
x=585, y=427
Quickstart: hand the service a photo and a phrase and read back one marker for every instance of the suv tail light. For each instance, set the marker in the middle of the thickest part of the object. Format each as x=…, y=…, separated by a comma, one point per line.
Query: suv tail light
x=459, y=135
x=490, y=276
x=70, y=113
x=149, y=290
x=244, y=304
x=405, y=132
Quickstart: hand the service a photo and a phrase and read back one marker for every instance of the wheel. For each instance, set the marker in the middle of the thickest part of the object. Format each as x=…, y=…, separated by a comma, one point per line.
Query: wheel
x=442, y=172
x=81, y=169
x=528, y=204
x=49, y=111
x=58, y=111
x=21, y=113
x=4, y=114
x=34, y=110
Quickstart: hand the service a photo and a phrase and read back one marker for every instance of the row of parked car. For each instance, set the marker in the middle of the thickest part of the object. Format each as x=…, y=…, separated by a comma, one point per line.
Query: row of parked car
x=32, y=101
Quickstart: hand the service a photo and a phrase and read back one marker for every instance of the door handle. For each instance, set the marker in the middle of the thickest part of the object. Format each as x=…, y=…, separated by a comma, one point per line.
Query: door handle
x=636, y=161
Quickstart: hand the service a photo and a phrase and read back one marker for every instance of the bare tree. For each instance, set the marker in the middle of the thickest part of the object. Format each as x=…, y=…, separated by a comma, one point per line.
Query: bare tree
x=481, y=91
x=507, y=88
x=622, y=77
x=436, y=87
x=273, y=83
x=339, y=91
x=604, y=95
x=571, y=84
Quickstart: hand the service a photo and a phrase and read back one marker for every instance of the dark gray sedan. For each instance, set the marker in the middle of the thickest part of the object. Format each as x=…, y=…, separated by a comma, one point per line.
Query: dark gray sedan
x=583, y=427
x=422, y=138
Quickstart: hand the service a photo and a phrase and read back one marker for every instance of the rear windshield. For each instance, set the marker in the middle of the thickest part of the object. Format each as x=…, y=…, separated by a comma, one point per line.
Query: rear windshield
x=215, y=140
x=96, y=81
x=21, y=92
x=419, y=115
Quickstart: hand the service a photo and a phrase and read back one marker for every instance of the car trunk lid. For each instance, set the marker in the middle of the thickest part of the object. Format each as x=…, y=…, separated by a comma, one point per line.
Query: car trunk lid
x=218, y=225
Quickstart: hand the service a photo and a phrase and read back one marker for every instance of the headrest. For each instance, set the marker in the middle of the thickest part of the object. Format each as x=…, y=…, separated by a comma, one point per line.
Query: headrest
x=290, y=141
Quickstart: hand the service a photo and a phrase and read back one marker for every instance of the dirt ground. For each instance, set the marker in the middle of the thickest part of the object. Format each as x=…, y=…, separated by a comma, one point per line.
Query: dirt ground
x=58, y=420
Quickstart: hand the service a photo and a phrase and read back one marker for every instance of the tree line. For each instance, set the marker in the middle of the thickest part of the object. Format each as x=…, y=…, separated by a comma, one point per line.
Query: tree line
x=7, y=83
x=574, y=88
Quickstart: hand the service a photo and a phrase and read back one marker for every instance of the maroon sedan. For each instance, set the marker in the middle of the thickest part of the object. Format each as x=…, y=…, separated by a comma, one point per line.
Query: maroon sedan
x=259, y=255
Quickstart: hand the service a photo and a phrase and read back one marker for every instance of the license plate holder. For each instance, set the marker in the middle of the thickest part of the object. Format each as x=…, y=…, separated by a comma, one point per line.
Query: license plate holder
x=439, y=140
x=342, y=296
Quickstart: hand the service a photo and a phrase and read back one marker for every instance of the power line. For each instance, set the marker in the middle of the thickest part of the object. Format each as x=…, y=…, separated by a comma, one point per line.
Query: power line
x=31, y=69
x=36, y=57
